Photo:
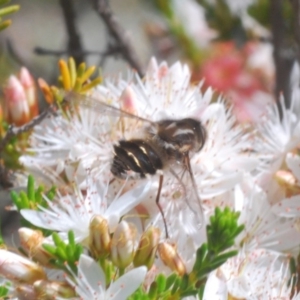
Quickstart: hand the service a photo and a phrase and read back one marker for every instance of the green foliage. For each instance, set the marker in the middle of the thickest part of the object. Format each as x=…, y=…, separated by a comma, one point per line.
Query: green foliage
x=6, y=11
x=294, y=281
x=33, y=198
x=11, y=152
x=220, y=18
x=222, y=230
x=4, y=290
x=65, y=254
x=2, y=244
x=190, y=48
x=260, y=10
x=221, y=233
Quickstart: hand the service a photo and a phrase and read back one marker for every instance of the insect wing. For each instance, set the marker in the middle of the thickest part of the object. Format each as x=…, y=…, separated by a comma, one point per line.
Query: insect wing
x=100, y=106
x=188, y=184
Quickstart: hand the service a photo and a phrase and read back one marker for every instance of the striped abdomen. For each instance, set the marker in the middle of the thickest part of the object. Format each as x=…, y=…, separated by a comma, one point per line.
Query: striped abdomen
x=136, y=156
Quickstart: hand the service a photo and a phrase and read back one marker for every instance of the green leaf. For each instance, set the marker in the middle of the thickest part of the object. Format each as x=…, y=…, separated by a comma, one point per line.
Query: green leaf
x=201, y=292
x=65, y=252
x=24, y=200
x=50, y=248
x=170, y=281
x=16, y=199
x=201, y=255
x=153, y=290
x=161, y=283
x=184, y=282
x=224, y=256
x=71, y=237
x=4, y=24
x=4, y=289
x=30, y=188
x=176, y=285
x=9, y=10
x=188, y=293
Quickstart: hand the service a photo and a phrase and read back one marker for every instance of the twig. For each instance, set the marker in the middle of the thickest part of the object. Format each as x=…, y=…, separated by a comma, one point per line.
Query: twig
x=74, y=45
x=43, y=51
x=296, y=9
x=5, y=177
x=13, y=131
x=119, y=34
x=282, y=56
x=111, y=50
x=14, y=54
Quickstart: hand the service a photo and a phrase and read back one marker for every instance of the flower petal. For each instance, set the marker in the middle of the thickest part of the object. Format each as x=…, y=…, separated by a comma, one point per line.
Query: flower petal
x=127, y=284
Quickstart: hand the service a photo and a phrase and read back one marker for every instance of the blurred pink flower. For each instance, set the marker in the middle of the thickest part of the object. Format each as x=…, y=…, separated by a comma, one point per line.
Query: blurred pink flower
x=230, y=71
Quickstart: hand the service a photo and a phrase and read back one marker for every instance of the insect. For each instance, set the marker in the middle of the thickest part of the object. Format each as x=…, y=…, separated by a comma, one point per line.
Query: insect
x=165, y=145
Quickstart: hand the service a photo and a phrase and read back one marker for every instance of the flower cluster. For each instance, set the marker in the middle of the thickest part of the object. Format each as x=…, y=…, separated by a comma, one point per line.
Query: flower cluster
x=229, y=231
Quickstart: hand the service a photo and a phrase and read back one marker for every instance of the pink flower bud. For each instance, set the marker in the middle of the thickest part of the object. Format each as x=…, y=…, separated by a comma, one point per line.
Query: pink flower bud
x=128, y=100
x=16, y=105
x=30, y=91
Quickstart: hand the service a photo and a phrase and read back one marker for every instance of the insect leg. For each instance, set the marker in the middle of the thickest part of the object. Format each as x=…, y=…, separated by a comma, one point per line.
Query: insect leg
x=161, y=178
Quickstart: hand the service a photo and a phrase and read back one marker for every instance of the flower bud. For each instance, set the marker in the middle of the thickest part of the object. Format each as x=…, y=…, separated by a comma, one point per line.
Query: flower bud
x=31, y=241
x=170, y=257
x=52, y=289
x=30, y=91
x=128, y=100
x=288, y=182
x=26, y=292
x=99, y=238
x=19, y=269
x=16, y=105
x=123, y=244
x=146, y=250
x=46, y=90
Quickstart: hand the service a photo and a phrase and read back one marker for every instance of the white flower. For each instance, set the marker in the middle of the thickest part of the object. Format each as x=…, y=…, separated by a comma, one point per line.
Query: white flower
x=84, y=144
x=290, y=207
x=263, y=229
x=259, y=274
x=279, y=134
x=74, y=147
x=74, y=212
x=166, y=94
x=91, y=284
